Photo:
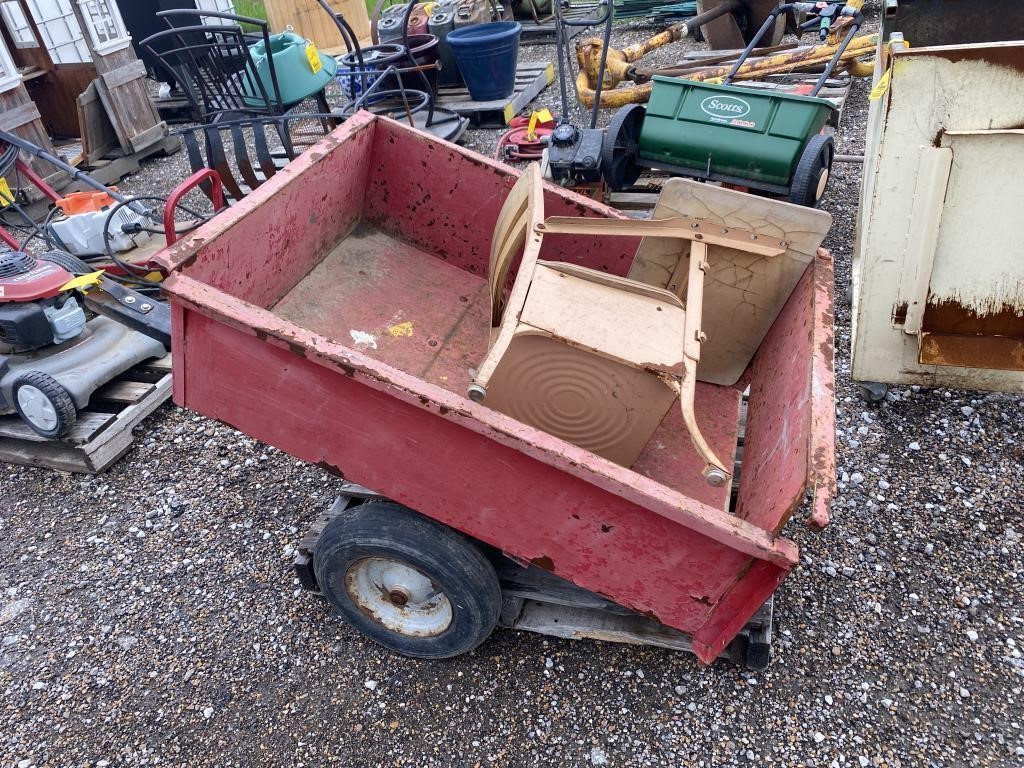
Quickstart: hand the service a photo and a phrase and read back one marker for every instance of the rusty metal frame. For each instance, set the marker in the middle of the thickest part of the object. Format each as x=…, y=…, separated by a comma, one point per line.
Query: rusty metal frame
x=620, y=66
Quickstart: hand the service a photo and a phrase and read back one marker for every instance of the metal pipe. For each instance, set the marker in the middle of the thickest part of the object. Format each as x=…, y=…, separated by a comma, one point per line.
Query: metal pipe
x=696, y=65
x=835, y=59
x=604, y=62
x=37, y=151
x=781, y=63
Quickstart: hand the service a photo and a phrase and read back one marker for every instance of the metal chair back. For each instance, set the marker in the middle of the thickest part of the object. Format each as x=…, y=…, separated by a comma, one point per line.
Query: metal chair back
x=214, y=65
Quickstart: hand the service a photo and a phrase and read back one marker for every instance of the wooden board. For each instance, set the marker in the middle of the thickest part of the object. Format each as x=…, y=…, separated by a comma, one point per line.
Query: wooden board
x=129, y=107
x=121, y=86
x=531, y=79
x=312, y=22
x=103, y=432
x=19, y=115
x=743, y=292
x=116, y=165
x=99, y=138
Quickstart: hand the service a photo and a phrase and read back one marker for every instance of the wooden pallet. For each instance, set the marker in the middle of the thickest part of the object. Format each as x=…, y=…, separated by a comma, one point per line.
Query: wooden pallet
x=103, y=432
x=542, y=32
x=531, y=79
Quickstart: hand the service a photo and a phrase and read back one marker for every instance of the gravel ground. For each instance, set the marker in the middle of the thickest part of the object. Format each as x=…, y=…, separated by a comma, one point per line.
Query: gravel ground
x=149, y=616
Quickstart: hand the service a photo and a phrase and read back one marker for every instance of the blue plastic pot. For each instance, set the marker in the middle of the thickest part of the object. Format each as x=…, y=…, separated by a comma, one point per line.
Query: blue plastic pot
x=487, y=56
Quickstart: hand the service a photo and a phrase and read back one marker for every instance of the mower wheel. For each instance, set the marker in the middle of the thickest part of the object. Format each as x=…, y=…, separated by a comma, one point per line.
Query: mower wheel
x=407, y=582
x=812, y=171
x=44, y=405
x=621, y=146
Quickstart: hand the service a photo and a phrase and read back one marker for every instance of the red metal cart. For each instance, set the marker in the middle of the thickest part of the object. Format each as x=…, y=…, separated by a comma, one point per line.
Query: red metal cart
x=336, y=314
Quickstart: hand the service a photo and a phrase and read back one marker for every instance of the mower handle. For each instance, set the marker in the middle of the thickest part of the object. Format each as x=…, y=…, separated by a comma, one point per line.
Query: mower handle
x=849, y=11
x=601, y=18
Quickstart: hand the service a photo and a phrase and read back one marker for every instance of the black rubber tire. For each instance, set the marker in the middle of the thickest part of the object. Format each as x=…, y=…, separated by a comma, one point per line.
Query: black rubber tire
x=621, y=146
x=63, y=405
x=737, y=650
x=759, y=656
x=872, y=391
x=70, y=262
x=453, y=563
x=815, y=160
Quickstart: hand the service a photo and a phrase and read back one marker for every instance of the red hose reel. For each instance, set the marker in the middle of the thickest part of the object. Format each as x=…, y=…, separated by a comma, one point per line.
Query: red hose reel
x=524, y=141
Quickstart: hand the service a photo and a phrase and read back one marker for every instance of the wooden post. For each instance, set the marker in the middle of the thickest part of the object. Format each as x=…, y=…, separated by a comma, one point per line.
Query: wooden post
x=121, y=77
x=19, y=115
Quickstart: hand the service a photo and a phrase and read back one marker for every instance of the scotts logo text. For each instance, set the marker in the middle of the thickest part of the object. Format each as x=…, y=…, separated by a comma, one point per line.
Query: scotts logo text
x=725, y=106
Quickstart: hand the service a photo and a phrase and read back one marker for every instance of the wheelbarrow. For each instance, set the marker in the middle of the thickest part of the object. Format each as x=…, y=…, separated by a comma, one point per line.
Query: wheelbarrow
x=766, y=141
x=358, y=339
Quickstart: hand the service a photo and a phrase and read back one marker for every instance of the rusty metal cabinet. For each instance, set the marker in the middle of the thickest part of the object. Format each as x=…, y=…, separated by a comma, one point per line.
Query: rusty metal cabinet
x=938, y=277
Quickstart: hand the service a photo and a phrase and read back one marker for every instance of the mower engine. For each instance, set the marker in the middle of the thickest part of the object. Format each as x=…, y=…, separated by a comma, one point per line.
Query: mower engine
x=81, y=230
x=34, y=310
x=574, y=155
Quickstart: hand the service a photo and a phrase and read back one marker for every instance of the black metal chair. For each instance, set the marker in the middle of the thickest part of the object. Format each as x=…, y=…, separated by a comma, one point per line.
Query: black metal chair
x=211, y=61
x=247, y=152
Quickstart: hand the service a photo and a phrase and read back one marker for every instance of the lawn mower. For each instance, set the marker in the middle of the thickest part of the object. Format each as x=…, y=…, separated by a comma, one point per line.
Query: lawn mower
x=52, y=356
x=761, y=140
x=574, y=155
x=68, y=327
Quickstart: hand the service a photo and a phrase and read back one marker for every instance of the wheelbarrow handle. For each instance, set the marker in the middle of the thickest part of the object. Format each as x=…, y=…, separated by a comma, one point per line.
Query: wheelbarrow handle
x=215, y=191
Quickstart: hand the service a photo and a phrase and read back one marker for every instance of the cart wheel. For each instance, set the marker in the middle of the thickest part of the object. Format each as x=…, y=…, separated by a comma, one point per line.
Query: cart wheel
x=621, y=146
x=812, y=171
x=43, y=404
x=749, y=655
x=872, y=391
x=407, y=582
x=759, y=655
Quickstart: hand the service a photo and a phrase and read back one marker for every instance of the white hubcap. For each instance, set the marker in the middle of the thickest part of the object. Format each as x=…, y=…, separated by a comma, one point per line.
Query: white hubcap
x=822, y=183
x=398, y=596
x=37, y=407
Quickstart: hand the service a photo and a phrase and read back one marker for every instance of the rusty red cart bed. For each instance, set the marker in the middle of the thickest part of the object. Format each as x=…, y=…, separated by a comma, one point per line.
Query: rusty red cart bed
x=339, y=313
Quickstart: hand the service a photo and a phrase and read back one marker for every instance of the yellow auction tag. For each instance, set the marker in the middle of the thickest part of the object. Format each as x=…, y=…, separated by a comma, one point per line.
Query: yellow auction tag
x=313, y=57
x=880, y=87
x=6, y=198
x=544, y=116
x=883, y=82
x=82, y=281
x=530, y=135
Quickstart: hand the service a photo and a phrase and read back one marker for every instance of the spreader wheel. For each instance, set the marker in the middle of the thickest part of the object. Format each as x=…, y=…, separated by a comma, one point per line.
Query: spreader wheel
x=812, y=171
x=621, y=146
x=43, y=404
x=407, y=582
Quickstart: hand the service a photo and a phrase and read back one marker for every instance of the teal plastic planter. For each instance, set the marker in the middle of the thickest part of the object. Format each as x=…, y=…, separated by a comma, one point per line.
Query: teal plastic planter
x=295, y=76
